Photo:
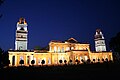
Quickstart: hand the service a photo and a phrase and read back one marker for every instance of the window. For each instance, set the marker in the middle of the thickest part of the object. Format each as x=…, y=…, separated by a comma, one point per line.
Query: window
x=72, y=48
x=39, y=61
x=58, y=49
x=49, y=61
x=21, y=57
x=55, y=49
x=62, y=49
x=67, y=48
x=86, y=58
x=76, y=57
x=20, y=48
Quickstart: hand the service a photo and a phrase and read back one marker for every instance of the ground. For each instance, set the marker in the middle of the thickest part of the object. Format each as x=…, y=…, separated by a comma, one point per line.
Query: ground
x=80, y=72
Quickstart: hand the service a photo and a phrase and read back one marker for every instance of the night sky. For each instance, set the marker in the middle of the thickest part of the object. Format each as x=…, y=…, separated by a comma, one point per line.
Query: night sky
x=59, y=20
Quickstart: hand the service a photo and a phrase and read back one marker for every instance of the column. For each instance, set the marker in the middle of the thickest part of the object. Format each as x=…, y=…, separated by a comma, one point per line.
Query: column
x=16, y=60
x=10, y=58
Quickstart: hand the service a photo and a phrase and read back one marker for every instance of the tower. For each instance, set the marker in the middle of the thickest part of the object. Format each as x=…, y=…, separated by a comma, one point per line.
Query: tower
x=99, y=41
x=21, y=35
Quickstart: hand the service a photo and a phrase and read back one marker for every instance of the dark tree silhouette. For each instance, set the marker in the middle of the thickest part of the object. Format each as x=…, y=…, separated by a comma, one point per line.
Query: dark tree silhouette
x=33, y=62
x=94, y=60
x=5, y=58
x=37, y=48
x=88, y=61
x=98, y=60
x=21, y=62
x=70, y=61
x=65, y=61
x=77, y=61
x=43, y=62
x=102, y=60
x=45, y=48
x=60, y=61
x=114, y=43
x=82, y=60
x=1, y=2
x=106, y=59
x=1, y=57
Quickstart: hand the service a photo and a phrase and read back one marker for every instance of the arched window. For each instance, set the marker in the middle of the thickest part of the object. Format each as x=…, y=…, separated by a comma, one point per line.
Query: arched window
x=55, y=48
x=39, y=61
x=62, y=49
x=72, y=48
x=21, y=58
x=58, y=49
x=49, y=61
x=50, y=48
x=67, y=48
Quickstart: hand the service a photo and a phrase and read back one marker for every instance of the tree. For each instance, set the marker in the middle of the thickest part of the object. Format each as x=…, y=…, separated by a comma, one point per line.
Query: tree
x=21, y=62
x=33, y=62
x=5, y=59
x=37, y=48
x=94, y=60
x=77, y=61
x=106, y=59
x=65, y=61
x=82, y=60
x=70, y=61
x=114, y=43
x=46, y=48
x=102, y=60
x=88, y=61
x=43, y=62
x=1, y=2
x=1, y=57
x=98, y=60
x=60, y=61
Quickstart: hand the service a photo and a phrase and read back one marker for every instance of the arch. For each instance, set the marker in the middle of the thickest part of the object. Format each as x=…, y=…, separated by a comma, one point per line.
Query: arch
x=55, y=48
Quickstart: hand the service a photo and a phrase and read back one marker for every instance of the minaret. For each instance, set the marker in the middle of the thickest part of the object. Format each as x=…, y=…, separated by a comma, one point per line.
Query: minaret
x=99, y=41
x=21, y=35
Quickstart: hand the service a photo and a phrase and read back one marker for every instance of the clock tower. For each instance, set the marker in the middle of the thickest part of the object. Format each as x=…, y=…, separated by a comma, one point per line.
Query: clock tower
x=21, y=35
x=99, y=41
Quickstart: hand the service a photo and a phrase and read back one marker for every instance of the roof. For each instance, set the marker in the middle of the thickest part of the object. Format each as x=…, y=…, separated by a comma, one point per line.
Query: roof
x=72, y=40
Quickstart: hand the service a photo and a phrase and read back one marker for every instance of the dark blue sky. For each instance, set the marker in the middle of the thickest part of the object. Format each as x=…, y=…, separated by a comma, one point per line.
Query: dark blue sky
x=59, y=20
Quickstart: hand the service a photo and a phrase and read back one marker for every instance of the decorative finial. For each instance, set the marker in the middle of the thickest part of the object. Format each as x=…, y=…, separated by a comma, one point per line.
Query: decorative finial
x=22, y=20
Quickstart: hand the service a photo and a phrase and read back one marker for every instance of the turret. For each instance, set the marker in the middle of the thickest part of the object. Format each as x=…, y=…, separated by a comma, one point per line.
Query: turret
x=99, y=41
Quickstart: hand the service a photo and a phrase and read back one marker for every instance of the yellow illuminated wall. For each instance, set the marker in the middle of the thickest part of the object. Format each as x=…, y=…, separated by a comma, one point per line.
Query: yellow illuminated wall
x=68, y=50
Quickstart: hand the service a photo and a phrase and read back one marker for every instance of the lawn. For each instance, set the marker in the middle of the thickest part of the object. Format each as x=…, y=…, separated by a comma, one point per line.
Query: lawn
x=83, y=71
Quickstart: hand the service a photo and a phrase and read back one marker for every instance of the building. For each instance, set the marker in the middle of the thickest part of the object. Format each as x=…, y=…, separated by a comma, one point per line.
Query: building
x=99, y=41
x=21, y=35
x=69, y=50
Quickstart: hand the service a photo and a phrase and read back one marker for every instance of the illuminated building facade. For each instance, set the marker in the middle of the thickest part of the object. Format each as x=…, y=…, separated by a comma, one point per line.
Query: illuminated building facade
x=69, y=50
x=21, y=35
x=99, y=41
